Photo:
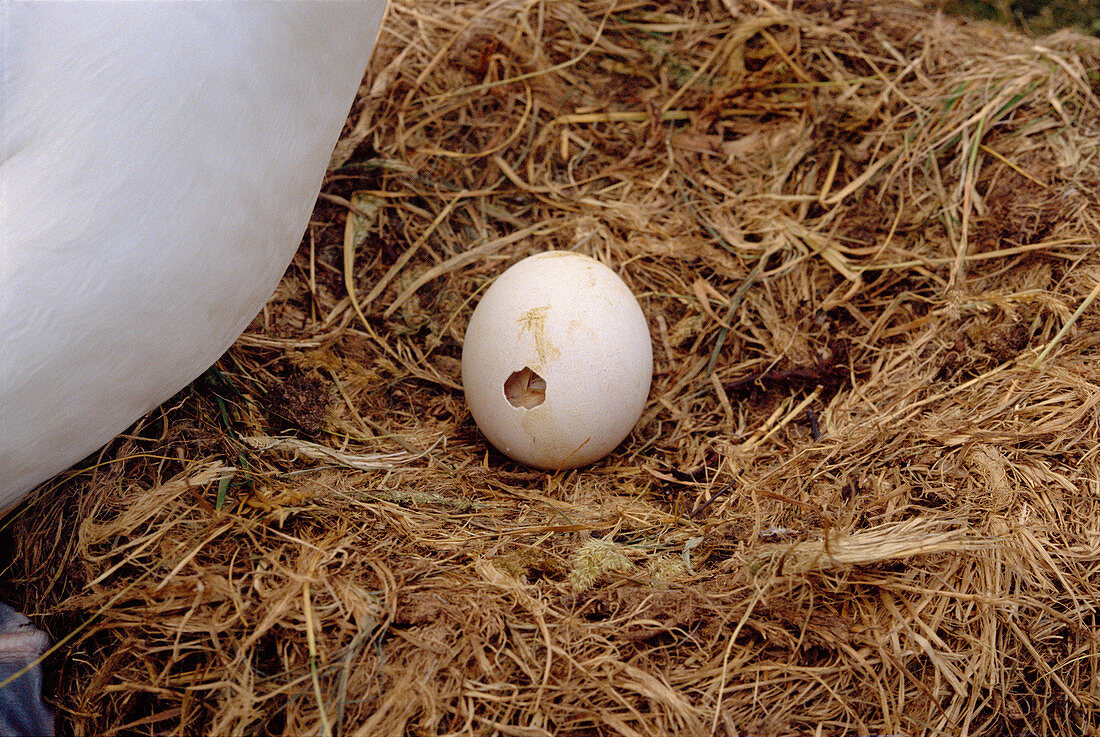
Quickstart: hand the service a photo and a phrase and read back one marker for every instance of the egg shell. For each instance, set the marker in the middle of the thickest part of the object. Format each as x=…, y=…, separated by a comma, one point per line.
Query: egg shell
x=573, y=323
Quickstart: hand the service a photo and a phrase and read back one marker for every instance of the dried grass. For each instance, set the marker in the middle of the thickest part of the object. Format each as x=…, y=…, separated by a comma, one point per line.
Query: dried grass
x=856, y=503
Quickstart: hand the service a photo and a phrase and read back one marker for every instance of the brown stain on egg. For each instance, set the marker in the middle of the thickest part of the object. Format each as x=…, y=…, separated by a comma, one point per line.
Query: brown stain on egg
x=534, y=321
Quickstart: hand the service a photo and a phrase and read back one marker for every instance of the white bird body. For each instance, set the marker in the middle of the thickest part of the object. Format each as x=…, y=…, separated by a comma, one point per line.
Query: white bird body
x=158, y=163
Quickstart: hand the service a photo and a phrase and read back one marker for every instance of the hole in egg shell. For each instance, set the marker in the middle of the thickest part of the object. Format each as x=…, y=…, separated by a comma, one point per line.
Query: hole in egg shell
x=525, y=388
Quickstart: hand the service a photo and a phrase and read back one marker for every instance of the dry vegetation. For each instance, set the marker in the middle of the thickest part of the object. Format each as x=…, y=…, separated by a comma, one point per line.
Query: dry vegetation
x=864, y=497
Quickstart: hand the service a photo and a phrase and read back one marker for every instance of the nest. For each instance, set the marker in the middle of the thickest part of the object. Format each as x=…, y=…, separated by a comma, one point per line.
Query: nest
x=863, y=496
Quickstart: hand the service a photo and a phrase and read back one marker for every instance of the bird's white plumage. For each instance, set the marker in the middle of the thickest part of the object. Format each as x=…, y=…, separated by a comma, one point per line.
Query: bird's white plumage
x=158, y=163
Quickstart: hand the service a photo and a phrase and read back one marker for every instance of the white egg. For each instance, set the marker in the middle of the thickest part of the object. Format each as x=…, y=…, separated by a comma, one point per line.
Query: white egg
x=557, y=361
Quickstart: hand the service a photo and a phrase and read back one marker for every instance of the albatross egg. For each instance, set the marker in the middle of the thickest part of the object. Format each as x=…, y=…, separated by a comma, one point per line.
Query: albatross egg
x=557, y=361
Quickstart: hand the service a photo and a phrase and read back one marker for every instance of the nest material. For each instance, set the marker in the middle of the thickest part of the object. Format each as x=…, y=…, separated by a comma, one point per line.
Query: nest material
x=863, y=496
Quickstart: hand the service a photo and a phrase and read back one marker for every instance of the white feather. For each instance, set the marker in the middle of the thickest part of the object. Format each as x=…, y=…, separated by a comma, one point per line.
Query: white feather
x=158, y=163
